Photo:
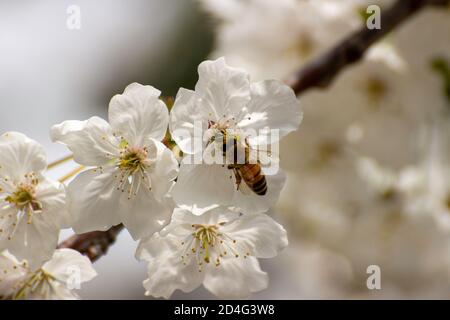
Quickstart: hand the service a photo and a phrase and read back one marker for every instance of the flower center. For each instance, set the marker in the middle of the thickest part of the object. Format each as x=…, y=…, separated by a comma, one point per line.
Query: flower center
x=206, y=243
x=226, y=137
x=132, y=159
x=133, y=164
x=207, y=237
x=24, y=198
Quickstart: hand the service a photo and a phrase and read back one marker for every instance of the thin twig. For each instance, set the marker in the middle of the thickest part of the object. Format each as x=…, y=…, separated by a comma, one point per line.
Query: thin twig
x=71, y=174
x=93, y=244
x=322, y=70
x=59, y=161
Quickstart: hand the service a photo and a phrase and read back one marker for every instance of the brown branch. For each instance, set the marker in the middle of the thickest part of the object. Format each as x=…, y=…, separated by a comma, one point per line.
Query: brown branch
x=92, y=244
x=322, y=70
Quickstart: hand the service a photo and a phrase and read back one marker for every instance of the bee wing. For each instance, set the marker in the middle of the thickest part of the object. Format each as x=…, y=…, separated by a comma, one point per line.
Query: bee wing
x=266, y=157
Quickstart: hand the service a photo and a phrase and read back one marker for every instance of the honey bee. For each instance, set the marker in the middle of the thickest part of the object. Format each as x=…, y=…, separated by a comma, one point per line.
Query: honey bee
x=252, y=176
x=248, y=172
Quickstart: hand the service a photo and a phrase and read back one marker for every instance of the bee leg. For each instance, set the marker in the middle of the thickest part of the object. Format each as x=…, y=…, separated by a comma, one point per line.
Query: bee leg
x=238, y=179
x=236, y=175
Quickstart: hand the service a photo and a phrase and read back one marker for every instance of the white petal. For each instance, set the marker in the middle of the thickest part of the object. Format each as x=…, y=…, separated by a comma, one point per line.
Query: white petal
x=165, y=268
x=223, y=90
x=236, y=278
x=152, y=247
x=67, y=263
x=52, y=196
x=181, y=223
x=91, y=141
x=143, y=215
x=33, y=242
x=138, y=114
x=57, y=291
x=163, y=171
x=184, y=116
x=20, y=155
x=203, y=185
x=94, y=201
x=208, y=217
x=182, y=219
x=8, y=216
x=250, y=202
x=12, y=273
x=259, y=232
x=273, y=106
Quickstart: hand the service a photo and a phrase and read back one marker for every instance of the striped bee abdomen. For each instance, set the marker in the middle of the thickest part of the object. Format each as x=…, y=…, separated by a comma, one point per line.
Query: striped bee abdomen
x=254, y=178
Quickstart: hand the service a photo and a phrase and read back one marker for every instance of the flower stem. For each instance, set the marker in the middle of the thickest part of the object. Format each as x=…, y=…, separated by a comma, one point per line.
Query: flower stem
x=71, y=174
x=56, y=163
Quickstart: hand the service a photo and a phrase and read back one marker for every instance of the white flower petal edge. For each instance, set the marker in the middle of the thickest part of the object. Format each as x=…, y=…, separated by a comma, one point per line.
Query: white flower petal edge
x=273, y=105
x=55, y=279
x=236, y=279
x=92, y=142
x=134, y=170
x=221, y=89
x=183, y=116
x=11, y=278
x=218, y=248
x=93, y=199
x=67, y=263
x=21, y=155
x=224, y=96
x=203, y=185
x=257, y=114
x=131, y=113
x=32, y=207
x=249, y=202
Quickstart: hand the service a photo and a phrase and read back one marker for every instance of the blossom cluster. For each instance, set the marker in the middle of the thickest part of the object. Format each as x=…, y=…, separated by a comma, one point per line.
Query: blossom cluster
x=202, y=223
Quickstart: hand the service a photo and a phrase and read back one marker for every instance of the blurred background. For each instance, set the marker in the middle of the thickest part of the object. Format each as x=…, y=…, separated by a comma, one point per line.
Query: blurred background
x=368, y=171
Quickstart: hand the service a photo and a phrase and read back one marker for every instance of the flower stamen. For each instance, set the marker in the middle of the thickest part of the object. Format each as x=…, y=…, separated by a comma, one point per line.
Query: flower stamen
x=133, y=164
x=36, y=280
x=208, y=245
x=24, y=198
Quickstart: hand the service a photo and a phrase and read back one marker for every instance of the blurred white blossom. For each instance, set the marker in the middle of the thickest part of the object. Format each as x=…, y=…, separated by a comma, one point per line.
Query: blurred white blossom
x=273, y=38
